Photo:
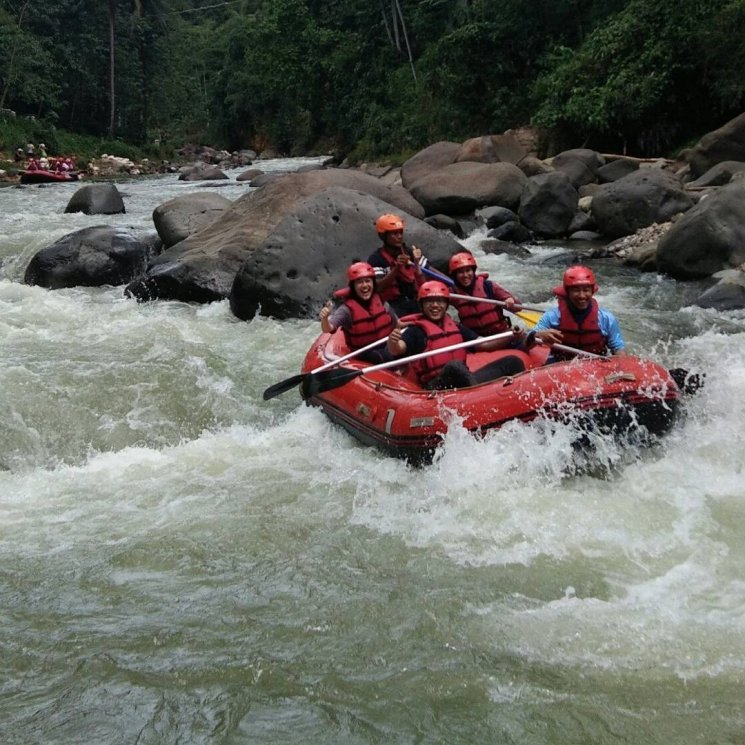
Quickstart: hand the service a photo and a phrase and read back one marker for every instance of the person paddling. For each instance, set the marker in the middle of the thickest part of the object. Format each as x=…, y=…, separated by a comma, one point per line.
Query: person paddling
x=362, y=316
x=397, y=267
x=579, y=321
x=433, y=329
x=483, y=318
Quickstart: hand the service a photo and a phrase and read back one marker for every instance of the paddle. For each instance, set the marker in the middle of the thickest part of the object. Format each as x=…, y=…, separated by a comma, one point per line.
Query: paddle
x=573, y=350
x=295, y=380
x=531, y=316
x=327, y=381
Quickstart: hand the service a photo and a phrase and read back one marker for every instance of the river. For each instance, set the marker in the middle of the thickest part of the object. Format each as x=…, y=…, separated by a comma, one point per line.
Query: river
x=182, y=562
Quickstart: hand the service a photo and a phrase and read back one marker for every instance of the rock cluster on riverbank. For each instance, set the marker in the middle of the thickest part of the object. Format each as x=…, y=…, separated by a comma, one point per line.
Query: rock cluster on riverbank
x=281, y=249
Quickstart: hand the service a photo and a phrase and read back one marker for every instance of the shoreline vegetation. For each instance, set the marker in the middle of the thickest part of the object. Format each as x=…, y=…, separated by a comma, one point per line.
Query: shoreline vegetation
x=97, y=157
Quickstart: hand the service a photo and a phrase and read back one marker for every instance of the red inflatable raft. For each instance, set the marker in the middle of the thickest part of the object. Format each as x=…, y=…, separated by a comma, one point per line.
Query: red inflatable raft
x=387, y=408
x=48, y=177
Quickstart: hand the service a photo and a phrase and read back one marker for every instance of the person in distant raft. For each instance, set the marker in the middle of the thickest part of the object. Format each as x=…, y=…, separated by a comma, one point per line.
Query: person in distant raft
x=483, y=318
x=362, y=316
x=434, y=329
x=398, y=268
x=579, y=321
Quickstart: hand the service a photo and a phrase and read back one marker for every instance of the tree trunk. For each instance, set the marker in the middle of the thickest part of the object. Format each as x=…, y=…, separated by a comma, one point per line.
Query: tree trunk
x=406, y=39
x=112, y=76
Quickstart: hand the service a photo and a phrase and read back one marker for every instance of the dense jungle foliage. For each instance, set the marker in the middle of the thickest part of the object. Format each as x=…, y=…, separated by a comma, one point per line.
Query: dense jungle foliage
x=369, y=78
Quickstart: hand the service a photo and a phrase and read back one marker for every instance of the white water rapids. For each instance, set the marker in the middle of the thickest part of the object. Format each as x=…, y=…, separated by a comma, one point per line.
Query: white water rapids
x=182, y=562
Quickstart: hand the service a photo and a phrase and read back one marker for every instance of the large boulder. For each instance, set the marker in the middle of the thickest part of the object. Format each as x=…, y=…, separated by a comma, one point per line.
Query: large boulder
x=428, y=161
x=462, y=187
x=92, y=257
x=647, y=196
x=710, y=237
x=580, y=165
x=720, y=174
x=183, y=216
x=202, y=267
x=548, y=204
x=727, y=294
x=616, y=169
x=97, y=199
x=725, y=143
x=305, y=257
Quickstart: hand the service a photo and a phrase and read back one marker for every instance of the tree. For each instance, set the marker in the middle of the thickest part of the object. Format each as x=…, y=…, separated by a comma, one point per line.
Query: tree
x=138, y=7
x=626, y=87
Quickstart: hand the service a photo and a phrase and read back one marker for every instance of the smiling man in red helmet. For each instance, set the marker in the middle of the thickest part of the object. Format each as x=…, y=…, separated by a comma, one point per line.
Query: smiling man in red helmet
x=579, y=321
x=433, y=329
x=397, y=267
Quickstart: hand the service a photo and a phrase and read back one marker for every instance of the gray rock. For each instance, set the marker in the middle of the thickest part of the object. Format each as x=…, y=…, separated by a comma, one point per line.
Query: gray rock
x=97, y=199
x=727, y=294
x=427, y=161
x=512, y=231
x=710, y=237
x=548, y=204
x=720, y=174
x=580, y=165
x=616, y=169
x=463, y=187
x=92, y=257
x=444, y=222
x=725, y=143
x=584, y=235
x=644, y=197
x=643, y=257
x=202, y=172
x=202, y=267
x=581, y=222
x=183, y=216
x=305, y=257
x=493, y=217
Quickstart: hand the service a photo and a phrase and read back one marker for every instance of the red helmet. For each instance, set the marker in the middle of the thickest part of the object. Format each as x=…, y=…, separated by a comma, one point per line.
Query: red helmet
x=463, y=260
x=433, y=289
x=386, y=223
x=360, y=270
x=579, y=275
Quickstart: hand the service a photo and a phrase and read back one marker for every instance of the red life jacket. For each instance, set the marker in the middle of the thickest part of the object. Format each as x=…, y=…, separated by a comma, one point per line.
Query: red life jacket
x=483, y=318
x=368, y=324
x=585, y=335
x=406, y=276
x=437, y=337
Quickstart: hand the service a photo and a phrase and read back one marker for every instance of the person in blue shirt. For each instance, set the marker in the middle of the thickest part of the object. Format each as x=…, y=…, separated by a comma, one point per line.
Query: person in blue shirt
x=579, y=321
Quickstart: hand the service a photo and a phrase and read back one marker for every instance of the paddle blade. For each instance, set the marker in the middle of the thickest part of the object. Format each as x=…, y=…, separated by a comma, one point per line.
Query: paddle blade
x=283, y=385
x=328, y=380
x=530, y=317
x=688, y=382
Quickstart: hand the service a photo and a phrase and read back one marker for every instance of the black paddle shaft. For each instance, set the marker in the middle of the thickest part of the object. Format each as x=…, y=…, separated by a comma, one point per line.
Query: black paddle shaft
x=328, y=380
